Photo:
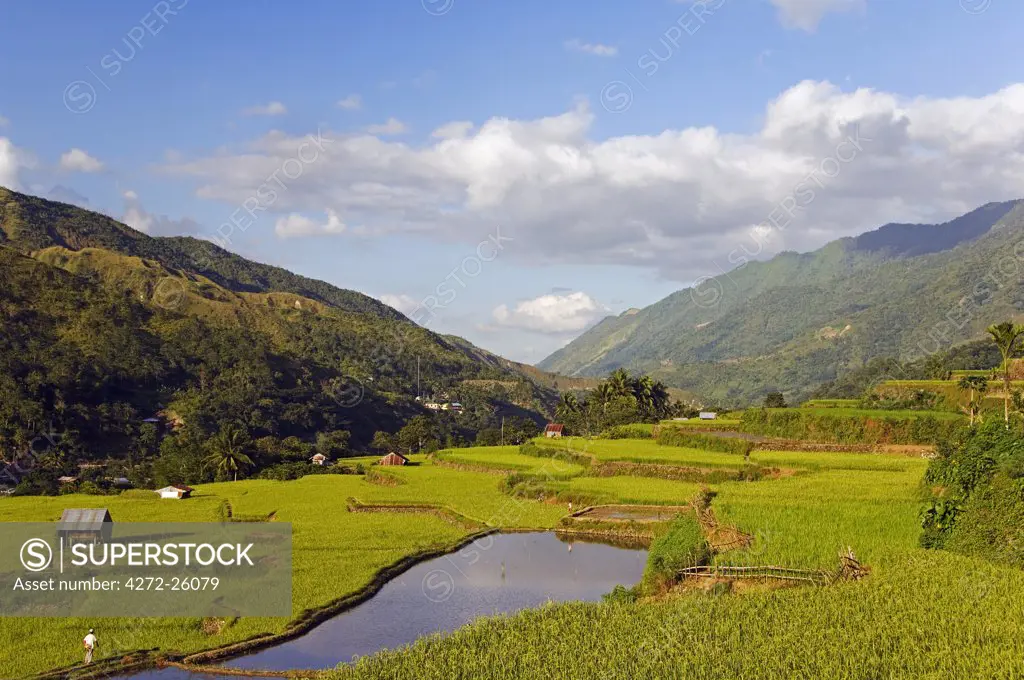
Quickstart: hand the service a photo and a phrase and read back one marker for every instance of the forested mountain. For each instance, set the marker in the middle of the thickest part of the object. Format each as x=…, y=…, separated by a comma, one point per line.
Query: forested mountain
x=143, y=349
x=799, y=320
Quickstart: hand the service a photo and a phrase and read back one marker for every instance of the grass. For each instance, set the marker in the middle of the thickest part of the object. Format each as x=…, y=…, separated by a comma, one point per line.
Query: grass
x=645, y=451
x=879, y=413
x=334, y=552
x=931, y=615
x=909, y=619
x=508, y=458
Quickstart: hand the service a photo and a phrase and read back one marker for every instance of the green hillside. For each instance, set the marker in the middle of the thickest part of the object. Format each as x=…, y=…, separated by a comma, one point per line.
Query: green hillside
x=105, y=327
x=799, y=320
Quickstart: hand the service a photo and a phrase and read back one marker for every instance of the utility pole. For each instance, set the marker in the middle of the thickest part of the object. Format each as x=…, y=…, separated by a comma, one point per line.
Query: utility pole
x=503, y=430
x=419, y=393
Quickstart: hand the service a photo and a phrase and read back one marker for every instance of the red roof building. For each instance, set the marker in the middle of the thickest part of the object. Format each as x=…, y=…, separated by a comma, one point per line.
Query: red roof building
x=393, y=459
x=554, y=430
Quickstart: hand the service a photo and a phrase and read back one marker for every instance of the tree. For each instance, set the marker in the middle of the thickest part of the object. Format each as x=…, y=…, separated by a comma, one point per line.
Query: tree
x=383, y=441
x=419, y=434
x=974, y=383
x=228, y=451
x=775, y=400
x=489, y=436
x=1005, y=335
x=332, y=444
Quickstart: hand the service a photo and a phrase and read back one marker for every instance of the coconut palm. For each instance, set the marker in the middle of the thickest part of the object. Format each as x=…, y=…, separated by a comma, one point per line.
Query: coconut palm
x=974, y=383
x=1005, y=335
x=227, y=450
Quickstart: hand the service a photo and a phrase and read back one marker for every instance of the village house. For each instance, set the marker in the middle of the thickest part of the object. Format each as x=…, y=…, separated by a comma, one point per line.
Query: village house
x=85, y=525
x=318, y=459
x=393, y=459
x=175, y=491
x=554, y=430
x=708, y=415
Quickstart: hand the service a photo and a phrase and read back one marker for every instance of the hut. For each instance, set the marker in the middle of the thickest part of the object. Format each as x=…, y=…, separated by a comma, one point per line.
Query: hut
x=318, y=459
x=88, y=525
x=554, y=430
x=175, y=491
x=708, y=415
x=393, y=459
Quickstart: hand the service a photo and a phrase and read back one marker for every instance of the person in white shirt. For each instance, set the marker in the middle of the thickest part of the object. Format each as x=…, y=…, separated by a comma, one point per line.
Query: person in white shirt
x=89, y=642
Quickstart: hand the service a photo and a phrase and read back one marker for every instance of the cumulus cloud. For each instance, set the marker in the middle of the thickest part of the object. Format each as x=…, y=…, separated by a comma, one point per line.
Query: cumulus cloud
x=299, y=225
x=67, y=195
x=673, y=201
x=271, y=109
x=350, y=103
x=594, y=49
x=400, y=301
x=807, y=14
x=392, y=126
x=552, y=313
x=9, y=164
x=77, y=160
x=138, y=218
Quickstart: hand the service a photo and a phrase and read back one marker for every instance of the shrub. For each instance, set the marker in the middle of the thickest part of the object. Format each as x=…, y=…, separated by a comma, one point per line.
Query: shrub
x=632, y=431
x=848, y=428
x=670, y=436
x=682, y=546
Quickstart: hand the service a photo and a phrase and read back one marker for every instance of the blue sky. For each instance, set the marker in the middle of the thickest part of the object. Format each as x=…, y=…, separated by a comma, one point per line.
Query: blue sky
x=623, y=150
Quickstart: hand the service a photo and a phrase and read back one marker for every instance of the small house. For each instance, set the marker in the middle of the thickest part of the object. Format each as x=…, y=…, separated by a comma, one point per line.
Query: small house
x=393, y=459
x=318, y=459
x=456, y=406
x=66, y=479
x=554, y=430
x=708, y=415
x=432, y=405
x=88, y=525
x=176, y=491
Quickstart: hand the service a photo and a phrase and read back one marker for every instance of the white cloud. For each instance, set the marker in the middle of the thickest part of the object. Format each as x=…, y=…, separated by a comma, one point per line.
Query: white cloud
x=392, y=126
x=807, y=14
x=77, y=160
x=595, y=49
x=552, y=313
x=271, y=109
x=671, y=201
x=454, y=130
x=298, y=225
x=400, y=301
x=10, y=164
x=352, y=102
x=138, y=218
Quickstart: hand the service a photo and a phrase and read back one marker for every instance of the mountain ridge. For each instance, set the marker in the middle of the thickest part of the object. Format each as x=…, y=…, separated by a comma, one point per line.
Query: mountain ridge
x=777, y=312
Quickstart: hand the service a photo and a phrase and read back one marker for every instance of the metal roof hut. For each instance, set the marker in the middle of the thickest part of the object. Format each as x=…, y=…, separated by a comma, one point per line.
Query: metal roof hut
x=393, y=459
x=554, y=430
x=89, y=525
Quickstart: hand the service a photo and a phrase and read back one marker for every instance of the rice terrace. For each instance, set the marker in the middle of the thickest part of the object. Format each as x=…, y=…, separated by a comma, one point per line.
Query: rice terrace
x=459, y=340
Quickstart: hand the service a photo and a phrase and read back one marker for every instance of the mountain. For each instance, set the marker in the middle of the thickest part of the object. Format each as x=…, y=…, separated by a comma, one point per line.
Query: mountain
x=106, y=328
x=798, y=320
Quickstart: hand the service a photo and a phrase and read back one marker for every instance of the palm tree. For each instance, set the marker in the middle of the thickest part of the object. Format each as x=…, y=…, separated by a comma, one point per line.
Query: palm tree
x=227, y=450
x=974, y=383
x=620, y=383
x=1005, y=334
